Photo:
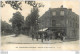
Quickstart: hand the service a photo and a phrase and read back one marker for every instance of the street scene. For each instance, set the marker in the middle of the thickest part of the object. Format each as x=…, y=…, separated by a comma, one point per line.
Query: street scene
x=36, y=22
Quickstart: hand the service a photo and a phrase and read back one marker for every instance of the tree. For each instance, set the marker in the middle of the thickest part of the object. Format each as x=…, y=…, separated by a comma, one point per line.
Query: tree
x=32, y=20
x=17, y=22
x=17, y=4
x=16, y=19
x=5, y=28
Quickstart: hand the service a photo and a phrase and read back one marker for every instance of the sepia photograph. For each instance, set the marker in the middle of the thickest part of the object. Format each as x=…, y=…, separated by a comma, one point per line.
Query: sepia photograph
x=49, y=24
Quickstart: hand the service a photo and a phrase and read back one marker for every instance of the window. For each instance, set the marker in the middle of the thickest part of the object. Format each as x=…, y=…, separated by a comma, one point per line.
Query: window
x=53, y=23
x=62, y=13
x=54, y=13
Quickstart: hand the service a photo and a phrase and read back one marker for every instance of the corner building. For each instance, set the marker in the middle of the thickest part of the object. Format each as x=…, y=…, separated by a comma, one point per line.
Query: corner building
x=61, y=19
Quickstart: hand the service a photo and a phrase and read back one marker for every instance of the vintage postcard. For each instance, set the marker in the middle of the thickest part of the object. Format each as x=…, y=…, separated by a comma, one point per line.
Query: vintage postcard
x=40, y=25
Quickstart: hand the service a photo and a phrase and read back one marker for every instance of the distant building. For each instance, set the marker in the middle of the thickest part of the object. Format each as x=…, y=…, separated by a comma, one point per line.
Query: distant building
x=61, y=19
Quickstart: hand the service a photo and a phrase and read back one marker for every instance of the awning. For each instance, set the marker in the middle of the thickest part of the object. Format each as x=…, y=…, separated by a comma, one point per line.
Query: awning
x=43, y=29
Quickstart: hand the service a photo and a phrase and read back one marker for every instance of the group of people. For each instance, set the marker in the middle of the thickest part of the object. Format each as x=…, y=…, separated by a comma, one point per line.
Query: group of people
x=60, y=35
x=47, y=36
x=41, y=36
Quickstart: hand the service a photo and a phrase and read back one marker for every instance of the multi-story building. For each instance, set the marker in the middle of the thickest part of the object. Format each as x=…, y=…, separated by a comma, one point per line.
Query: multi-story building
x=61, y=19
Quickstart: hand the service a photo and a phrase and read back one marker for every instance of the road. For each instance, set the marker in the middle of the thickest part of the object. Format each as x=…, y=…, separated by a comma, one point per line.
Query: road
x=10, y=41
x=23, y=39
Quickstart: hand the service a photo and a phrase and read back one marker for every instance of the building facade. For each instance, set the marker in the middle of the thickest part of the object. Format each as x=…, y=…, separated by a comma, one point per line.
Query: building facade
x=61, y=20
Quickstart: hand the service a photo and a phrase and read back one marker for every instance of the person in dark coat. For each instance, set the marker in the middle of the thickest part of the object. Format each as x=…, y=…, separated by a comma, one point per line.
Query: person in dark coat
x=32, y=36
x=42, y=37
x=37, y=36
x=56, y=35
x=46, y=36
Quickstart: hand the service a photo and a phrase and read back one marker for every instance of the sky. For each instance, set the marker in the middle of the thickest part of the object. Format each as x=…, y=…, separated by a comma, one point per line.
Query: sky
x=7, y=11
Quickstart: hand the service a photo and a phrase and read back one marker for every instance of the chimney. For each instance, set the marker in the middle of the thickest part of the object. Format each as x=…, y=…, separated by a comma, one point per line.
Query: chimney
x=70, y=9
x=61, y=6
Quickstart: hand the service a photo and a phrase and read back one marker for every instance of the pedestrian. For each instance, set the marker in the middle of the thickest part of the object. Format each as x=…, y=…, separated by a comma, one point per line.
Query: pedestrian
x=63, y=36
x=48, y=34
x=36, y=36
x=45, y=36
x=56, y=35
x=32, y=36
x=42, y=37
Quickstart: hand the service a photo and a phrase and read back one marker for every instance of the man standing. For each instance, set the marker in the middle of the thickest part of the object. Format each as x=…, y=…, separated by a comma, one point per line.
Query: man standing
x=63, y=36
x=32, y=36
